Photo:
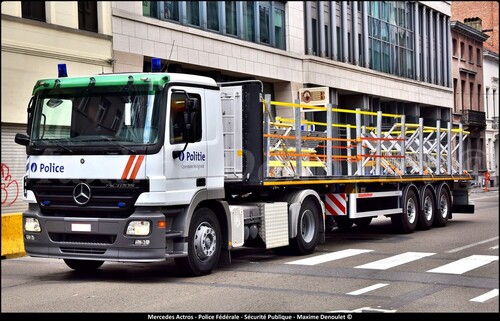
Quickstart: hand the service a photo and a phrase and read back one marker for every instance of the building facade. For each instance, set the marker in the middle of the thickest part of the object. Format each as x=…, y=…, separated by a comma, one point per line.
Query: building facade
x=36, y=37
x=392, y=56
x=484, y=15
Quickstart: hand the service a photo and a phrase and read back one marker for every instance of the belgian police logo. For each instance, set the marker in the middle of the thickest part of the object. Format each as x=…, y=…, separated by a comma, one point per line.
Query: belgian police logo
x=33, y=167
x=181, y=156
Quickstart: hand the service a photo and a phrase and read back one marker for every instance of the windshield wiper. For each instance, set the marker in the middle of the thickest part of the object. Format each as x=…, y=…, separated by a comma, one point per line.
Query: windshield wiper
x=114, y=141
x=57, y=142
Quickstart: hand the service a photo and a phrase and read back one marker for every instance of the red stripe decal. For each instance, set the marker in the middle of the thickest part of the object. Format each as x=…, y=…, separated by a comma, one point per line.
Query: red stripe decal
x=128, y=166
x=137, y=167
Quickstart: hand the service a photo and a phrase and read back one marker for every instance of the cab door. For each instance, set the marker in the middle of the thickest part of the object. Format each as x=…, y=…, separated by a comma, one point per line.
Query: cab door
x=185, y=165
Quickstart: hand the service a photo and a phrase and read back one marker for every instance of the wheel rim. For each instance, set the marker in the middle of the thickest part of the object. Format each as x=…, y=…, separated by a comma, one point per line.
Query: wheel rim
x=411, y=211
x=428, y=209
x=443, y=206
x=205, y=241
x=307, y=226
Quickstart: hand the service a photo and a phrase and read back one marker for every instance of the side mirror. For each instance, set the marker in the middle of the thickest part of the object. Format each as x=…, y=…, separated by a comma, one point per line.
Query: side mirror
x=22, y=139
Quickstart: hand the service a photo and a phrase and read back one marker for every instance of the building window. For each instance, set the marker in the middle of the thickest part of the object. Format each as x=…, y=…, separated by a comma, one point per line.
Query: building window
x=455, y=93
x=193, y=13
x=487, y=103
x=87, y=15
x=34, y=10
x=478, y=97
x=248, y=21
x=454, y=44
x=264, y=23
x=256, y=21
x=213, y=15
x=470, y=54
x=471, y=95
x=462, y=51
x=478, y=57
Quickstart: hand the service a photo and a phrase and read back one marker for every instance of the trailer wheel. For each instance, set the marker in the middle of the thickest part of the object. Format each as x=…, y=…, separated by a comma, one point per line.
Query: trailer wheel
x=83, y=265
x=443, y=207
x=428, y=211
x=406, y=222
x=204, y=244
x=307, y=229
x=363, y=221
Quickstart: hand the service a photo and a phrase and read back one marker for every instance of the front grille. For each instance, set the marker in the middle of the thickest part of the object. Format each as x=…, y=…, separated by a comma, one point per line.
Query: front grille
x=77, y=250
x=82, y=238
x=109, y=199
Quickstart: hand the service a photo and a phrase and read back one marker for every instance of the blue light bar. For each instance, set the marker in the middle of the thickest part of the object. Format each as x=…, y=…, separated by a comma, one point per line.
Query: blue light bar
x=62, y=71
x=155, y=64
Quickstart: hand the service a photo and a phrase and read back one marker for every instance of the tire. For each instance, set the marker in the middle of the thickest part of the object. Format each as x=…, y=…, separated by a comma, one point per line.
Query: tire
x=406, y=222
x=428, y=211
x=307, y=229
x=343, y=223
x=363, y=221
x=443, y=207
x=83, y=265
x=204, y=244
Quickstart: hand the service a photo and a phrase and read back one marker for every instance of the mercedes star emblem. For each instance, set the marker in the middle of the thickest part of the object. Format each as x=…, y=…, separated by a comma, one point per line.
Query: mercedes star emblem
x=81, y=194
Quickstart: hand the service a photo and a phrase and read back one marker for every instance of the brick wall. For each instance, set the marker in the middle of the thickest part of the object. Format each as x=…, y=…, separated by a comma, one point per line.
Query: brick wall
x=487, y=11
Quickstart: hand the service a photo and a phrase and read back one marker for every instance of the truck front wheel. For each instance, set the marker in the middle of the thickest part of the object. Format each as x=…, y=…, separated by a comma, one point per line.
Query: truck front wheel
x=204, y=244
x=307, y=228
x=83, y=265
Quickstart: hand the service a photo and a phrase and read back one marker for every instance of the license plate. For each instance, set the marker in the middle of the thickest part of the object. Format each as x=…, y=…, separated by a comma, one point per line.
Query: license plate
x=80, y=227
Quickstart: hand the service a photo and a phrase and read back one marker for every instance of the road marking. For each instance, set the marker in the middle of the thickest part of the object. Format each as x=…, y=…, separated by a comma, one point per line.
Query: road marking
x=471, y=245
x=395, y=260
x=465, y=264
x=364, y=309
x=485, y=297
x=368, y=289
x=328, y=257
x=494, y=247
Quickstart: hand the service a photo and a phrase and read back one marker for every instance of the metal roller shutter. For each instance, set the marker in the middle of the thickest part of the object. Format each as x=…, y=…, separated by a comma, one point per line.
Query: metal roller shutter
x=13, y=170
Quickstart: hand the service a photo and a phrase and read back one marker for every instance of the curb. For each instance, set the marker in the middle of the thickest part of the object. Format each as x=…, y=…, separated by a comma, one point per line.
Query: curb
x=12, y=236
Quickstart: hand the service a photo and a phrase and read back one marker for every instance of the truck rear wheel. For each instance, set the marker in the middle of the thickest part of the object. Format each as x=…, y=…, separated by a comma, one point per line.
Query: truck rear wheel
x=307, y=228
x=83, y=265
x=443, y=207
x=426, y=215
x=204, y=244
x=406, y=222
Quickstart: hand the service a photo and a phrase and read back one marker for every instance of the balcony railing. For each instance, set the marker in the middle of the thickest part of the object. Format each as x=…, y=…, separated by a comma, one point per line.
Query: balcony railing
x=474, y=118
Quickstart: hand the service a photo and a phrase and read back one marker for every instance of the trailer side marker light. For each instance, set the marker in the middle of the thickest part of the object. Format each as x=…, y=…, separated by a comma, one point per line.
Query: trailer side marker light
x=162, y=224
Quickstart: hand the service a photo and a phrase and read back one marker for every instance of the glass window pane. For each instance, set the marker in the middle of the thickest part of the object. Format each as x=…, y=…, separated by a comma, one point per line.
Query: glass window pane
x=213, y=15
x=231, y=18
x=193, y=12
x=169, y=10
x=279, y=28
x=264, y=24
x=376, y=55
x=248, y=21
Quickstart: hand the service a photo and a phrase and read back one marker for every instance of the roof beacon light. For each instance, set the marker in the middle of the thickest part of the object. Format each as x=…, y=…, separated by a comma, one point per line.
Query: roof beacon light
x=155, y=64
x=62, y=71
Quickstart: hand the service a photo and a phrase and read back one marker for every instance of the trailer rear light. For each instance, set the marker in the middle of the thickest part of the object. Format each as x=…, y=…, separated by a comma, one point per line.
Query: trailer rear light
x=32, y=225
x=138, y=228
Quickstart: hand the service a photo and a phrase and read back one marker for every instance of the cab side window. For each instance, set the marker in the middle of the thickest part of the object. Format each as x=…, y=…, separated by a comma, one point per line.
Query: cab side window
x=177, y=108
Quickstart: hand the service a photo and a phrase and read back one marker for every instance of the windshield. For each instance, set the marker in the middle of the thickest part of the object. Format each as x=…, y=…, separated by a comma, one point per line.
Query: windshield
x=106, y=116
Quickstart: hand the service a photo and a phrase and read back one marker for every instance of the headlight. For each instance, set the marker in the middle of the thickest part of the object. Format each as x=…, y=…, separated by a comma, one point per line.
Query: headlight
x=32, y=225
x=140, y=228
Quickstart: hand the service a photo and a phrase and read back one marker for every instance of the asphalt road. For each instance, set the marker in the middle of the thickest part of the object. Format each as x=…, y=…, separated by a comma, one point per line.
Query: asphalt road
x=371, y=269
